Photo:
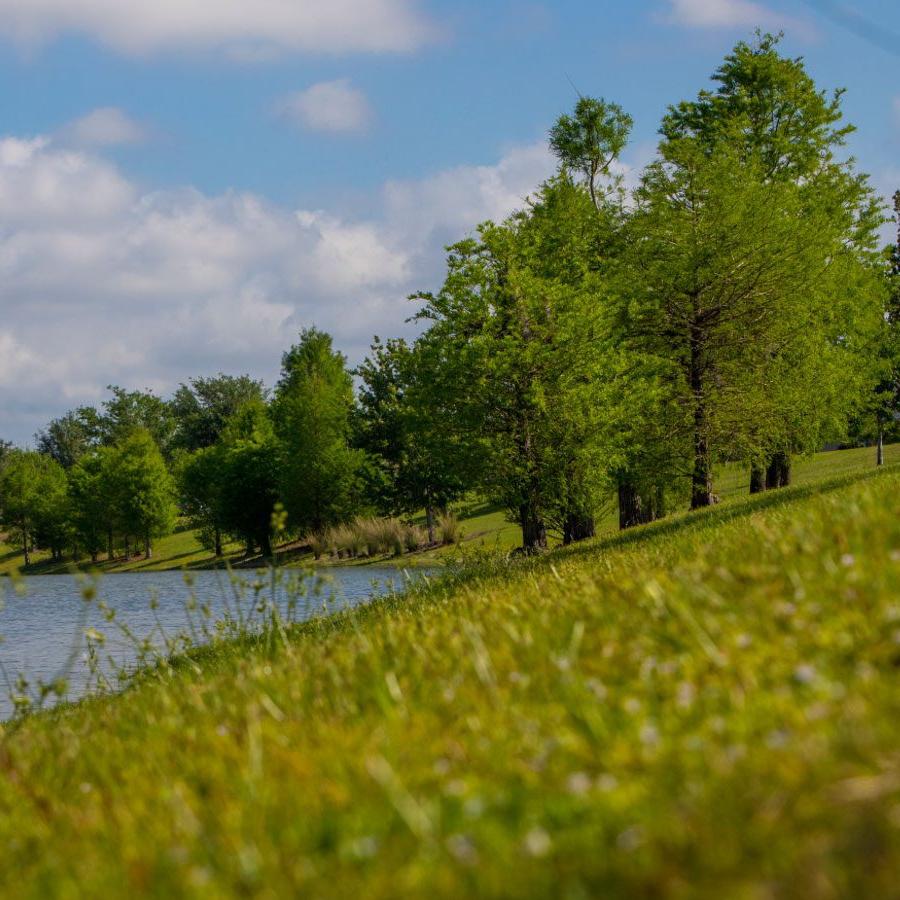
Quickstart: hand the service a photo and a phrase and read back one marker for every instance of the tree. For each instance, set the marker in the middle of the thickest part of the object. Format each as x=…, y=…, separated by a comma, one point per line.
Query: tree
x=769, y=115
x=248, y=460
x=513, y=363
x=413, y=461
x=312, y=414
x=66, y=439
x=886, y=398
x=200, y=481
x=142, y=489
x=92, y=510
x=202, y=407
x=32, y=492
x=718, y=253
x=591, y=140
x=127, y=411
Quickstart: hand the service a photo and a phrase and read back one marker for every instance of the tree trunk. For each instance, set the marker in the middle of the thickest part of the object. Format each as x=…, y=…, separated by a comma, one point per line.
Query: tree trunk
x=534, y=533
x=148, y=547
x=578, y=527
x=757, y=479
x=265, y=543
x=879, y=452
x=127, y=548
x=218, y=538
x=94, y=555
x=25, y=547
x=429, y=522
x=701, y=478
x=109, y=544
x=778, y=472
x=630, y=506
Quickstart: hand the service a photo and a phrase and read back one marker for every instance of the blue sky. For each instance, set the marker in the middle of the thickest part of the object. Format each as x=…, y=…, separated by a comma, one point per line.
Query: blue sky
x=186, y=183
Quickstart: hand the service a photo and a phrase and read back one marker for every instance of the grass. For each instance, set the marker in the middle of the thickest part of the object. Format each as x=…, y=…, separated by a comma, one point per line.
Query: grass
x=481, y=526
x=706, y=706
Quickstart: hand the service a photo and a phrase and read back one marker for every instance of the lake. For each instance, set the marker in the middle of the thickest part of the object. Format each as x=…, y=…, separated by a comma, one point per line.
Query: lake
x=43, y=621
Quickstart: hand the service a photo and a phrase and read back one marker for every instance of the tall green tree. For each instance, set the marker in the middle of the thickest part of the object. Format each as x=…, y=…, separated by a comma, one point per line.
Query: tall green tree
x=32, y=495
x=202, y=407
x=767, y=113
x=66, y=439
x=142, y=488
x=92, y=501
x=516, y=370
x=248, y=461
x=312, y=411
x=125, y=411
x=200, y=477
x=413, y=461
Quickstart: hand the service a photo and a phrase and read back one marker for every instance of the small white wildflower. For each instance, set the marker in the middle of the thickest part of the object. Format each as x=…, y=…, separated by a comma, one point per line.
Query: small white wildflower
x=537, y=842
x=649, y=735
x=847, y=560
x=805, y=674
x=743, y=641
x=578, y=784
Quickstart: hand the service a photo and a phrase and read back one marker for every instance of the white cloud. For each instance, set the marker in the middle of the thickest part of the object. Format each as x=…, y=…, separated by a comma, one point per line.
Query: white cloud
x=104, y=127
x=732, y=14
x=102, y=283
x=252, y=29
x=330, y=106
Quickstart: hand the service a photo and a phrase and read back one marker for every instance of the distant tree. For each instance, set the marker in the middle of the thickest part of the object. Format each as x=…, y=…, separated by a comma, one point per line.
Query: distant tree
x=142, y=489
x=32, y=493
x=312, y=410
x=67, y=438
x=202, y=407
x=127, y=411
x=885, y=403
x=6, y=449
x=200, y=477
x=247, y=460
x=92, y=501
x=414, y=461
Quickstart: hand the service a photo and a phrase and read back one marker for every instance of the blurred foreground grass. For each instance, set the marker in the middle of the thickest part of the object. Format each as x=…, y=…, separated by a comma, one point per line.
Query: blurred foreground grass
x=707, y=706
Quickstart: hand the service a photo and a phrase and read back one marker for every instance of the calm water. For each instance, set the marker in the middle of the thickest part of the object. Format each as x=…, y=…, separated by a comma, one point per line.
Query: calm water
x=43, y=629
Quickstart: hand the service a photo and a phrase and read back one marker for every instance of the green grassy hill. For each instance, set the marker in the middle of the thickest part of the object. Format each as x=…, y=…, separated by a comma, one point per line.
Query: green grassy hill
x=706, y=706
x=482, y=526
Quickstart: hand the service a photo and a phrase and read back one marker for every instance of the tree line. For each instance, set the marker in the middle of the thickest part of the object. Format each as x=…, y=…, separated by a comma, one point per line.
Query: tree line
x=608, y=340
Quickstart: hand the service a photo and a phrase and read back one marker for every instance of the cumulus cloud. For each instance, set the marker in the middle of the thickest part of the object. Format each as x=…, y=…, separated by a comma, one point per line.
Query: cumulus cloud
x=330, y=106
x=104, y=127
x=260, y=28
x=103, y=283
x=730, y=14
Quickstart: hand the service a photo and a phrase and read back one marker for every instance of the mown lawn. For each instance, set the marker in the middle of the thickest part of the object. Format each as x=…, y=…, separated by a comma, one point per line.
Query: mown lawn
x=707, y=706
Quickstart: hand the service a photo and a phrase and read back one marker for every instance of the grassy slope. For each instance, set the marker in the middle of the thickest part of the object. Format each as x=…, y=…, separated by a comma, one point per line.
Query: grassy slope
x=482, y=526
x=706, y=707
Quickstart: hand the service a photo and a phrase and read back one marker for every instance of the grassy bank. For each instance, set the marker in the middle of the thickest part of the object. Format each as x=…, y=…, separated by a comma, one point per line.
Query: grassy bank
x=481, y=526
x=703, y=707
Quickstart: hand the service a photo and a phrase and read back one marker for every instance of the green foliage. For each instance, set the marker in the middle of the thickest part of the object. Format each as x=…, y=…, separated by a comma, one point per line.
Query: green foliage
x=591, y=140
x=203, y=407
x=32, y=501
x=142, y=490
x=66, y=439
x=92, y=503
x=312, y=408
x=247, y=461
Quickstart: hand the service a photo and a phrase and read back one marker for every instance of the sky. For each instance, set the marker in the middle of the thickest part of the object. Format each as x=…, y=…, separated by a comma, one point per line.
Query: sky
x=186, y=184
